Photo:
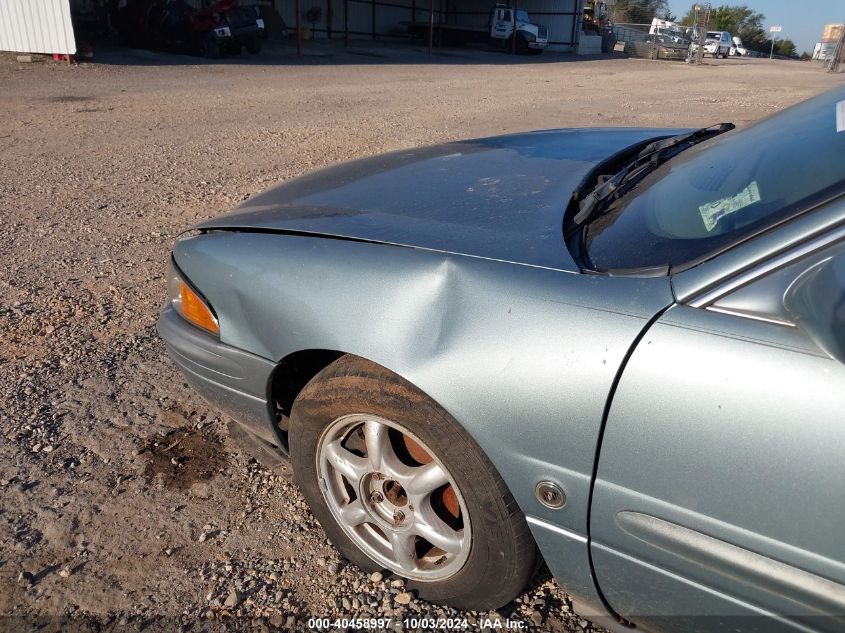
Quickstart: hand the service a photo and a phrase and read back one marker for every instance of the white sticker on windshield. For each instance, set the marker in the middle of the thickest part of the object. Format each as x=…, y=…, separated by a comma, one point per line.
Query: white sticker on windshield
x=840, y=116
x=712, y=212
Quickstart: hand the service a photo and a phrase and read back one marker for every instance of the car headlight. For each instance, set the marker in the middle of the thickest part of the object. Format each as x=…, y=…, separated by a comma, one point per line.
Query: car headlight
x=190, y=305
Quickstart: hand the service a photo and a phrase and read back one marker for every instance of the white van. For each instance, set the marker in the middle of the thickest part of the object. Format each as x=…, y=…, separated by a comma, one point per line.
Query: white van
x=738, y=49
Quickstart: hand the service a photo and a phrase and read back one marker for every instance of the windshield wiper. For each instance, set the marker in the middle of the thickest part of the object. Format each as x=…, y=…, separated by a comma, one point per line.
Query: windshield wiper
x=650, y=157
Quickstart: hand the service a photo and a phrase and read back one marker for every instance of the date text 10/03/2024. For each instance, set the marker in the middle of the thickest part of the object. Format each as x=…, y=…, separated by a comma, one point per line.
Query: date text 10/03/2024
x=325, y=624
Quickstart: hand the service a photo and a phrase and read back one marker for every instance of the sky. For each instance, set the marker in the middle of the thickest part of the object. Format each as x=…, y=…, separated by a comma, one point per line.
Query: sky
x=802, y=22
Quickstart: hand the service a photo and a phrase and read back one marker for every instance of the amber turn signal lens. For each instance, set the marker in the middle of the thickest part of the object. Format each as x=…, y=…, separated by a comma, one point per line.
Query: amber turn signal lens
x=193, y=308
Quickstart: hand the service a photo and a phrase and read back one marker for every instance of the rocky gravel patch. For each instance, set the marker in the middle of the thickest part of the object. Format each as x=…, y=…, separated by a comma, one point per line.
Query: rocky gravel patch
x=126, y=505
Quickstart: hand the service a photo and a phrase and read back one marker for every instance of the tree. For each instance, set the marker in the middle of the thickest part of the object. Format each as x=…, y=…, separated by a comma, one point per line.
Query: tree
x=728, y=18
x=689, y=18
x=754, y=38
x=786, y=48
x=638, y=11
x=737, y=20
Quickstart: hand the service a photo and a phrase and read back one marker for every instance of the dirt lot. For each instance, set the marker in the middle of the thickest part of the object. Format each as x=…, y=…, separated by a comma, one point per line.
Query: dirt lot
x=125, y=504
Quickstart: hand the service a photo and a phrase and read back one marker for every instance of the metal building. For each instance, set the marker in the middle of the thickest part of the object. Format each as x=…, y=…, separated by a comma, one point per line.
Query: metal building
x=44, y=26
x=390, y=18
x=36, y=26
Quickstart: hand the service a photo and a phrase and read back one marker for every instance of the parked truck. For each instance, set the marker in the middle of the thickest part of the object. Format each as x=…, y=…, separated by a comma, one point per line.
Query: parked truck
x=504, y=24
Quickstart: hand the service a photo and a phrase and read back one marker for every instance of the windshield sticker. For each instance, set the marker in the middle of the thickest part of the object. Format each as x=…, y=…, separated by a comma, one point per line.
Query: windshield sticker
x=712, y=212
x=840, y=116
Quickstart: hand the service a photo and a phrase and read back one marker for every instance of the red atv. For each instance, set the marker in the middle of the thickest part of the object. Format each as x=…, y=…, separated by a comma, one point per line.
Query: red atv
x=225, y=26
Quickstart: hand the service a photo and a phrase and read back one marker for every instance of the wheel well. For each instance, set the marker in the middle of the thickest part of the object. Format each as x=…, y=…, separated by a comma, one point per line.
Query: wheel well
x=289, y=377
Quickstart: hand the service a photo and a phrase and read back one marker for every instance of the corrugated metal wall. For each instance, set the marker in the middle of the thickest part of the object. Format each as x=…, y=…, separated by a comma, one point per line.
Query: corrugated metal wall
x=561, y=17
x=36, y=26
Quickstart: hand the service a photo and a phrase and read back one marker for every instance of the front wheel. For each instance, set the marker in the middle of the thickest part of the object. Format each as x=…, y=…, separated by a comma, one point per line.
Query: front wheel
x=397, y=484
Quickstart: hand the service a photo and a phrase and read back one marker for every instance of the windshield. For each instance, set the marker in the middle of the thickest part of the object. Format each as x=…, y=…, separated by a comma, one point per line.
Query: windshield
x=724, y=190
x=714, y=36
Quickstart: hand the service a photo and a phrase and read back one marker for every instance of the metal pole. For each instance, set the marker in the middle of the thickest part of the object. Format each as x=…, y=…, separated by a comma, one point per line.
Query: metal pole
x=513, y=34
x=373, y=20
x=430, y=25
x=440, y=23
x=772, y=53
x=576, y=32
x=298, y=29
x=694, y=31
x=346, y=22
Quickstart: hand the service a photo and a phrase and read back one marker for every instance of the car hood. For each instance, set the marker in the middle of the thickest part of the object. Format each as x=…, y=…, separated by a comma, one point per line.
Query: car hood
x=500, y=198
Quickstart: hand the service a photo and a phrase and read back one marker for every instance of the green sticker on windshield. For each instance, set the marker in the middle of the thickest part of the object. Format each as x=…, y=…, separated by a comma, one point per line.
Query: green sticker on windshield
x=712, y=212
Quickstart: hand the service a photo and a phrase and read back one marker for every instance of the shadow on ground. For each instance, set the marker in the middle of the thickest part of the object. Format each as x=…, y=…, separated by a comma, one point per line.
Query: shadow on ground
x=277, y=53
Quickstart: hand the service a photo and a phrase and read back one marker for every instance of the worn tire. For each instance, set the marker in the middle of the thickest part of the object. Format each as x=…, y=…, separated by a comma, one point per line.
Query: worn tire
x=502, y=553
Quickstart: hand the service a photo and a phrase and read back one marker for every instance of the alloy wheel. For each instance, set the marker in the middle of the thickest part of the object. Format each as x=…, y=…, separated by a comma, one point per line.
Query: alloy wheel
x=393, y=497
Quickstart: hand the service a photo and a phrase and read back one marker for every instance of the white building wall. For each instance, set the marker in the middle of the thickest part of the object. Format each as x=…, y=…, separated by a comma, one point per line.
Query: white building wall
x=36, y=26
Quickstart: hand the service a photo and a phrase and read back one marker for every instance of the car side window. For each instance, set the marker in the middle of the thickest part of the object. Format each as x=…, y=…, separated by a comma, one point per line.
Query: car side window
x=764, y=297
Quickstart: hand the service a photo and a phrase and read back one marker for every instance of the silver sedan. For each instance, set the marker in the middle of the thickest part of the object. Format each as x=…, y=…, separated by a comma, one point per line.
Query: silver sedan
x=620, y=351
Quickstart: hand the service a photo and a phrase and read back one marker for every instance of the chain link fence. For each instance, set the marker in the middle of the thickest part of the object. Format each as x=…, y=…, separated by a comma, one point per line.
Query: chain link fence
x=647, y=42
x=660, y=40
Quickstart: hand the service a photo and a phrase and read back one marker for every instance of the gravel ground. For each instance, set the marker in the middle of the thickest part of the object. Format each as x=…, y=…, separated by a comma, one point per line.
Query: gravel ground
x=125, y=503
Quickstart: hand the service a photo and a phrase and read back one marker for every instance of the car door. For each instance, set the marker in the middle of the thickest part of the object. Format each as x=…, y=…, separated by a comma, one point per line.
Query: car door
x=719, y=498
x=502, y=26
